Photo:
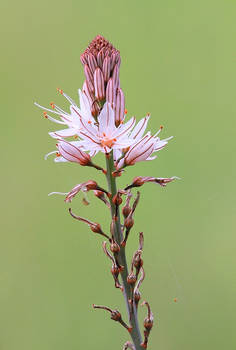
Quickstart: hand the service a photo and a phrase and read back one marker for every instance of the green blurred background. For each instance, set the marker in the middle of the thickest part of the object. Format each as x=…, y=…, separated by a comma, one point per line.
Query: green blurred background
x=178, y=63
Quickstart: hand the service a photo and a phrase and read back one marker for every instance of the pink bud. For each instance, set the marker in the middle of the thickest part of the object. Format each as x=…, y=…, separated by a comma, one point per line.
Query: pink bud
x=73, y=153
x=100, y=57
x=120, y=107
x=115, y=76
x=89, y=77
x=99, y=84
x=88, y=93
x=106, y=68
x=111, y=92
x=92, y=62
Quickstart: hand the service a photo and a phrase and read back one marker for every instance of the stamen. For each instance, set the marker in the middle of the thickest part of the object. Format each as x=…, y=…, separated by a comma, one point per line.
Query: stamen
x=126, y=111
x=52, y=105
x=61, y=193
x=45, y=115
x=48, y=154
x=49, y=110
x=158, y=132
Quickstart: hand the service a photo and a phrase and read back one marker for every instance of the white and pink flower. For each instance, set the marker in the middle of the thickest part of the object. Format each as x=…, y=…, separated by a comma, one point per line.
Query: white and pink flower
x=103, y=134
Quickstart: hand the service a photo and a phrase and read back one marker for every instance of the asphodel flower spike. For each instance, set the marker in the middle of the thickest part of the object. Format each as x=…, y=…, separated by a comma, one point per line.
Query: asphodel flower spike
x=100, y=124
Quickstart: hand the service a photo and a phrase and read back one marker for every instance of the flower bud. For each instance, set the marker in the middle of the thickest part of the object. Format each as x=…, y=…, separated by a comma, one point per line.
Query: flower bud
x=106, y=68
x=92, y=62
x=89, y=78
x=99, y=84
x=120, y=107
x=111, y=92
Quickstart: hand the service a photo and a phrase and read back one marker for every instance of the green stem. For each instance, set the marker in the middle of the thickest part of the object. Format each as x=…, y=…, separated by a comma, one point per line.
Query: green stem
x=135, y=333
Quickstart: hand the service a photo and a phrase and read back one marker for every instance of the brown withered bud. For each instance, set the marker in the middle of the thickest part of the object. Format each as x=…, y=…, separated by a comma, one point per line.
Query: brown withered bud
x=145, y=342
x=115, y=248
x=148, y=321
x=129, y=222
x=115, y=269
x=131, y=279
x=95, y=227
x=148, y=324
x=117, y=173
x=126, y=211
x=101, y=196
x=127, y=208
x=137, y=260
x=115, y=315
x=117, y=200
x=137, y=294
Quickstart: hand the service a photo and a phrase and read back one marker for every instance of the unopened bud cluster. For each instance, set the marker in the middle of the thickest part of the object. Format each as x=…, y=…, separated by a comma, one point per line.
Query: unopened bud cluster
x=101, y=63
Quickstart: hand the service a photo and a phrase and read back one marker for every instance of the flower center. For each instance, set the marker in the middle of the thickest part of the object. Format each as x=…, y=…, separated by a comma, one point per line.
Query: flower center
x=107, y=142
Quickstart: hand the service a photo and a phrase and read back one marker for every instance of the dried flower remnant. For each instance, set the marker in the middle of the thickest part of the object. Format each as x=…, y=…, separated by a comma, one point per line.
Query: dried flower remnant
x=129, y=221
x=95, y=227
x=115, y=315
x=128, y=345
x=140, y=180
x=115, y=269
x=137, y=294
x=100, y=124
x=83, y=187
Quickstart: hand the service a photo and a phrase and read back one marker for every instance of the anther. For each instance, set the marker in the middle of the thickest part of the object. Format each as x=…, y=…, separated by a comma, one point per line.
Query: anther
x=60, y=91
x=52, y=105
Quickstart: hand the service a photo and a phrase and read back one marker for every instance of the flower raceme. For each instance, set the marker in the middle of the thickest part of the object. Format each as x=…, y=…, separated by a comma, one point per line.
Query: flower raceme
x=99, y=124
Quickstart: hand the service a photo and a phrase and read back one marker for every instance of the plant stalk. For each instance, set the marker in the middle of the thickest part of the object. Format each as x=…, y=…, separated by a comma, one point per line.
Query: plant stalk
x=135, y=333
